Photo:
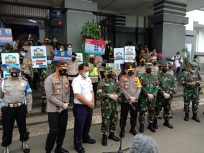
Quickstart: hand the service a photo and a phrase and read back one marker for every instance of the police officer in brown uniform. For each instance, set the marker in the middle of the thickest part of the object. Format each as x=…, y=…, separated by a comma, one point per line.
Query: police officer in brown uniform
x=131, y=88
x=155, y=68
x=72, y=72
x=57, y=90
x=17, y=95
x=140, y=69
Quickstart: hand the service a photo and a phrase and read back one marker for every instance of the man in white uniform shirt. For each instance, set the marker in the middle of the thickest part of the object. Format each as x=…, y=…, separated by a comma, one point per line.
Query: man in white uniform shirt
x=83, y=107
x=179, y=61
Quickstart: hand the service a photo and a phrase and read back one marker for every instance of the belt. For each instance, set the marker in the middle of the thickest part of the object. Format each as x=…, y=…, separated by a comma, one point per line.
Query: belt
x=16, y=104
x=72, y=75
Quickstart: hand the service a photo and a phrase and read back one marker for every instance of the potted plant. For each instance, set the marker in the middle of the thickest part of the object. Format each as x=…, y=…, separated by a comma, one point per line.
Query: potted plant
x=186, y=59
x=90, y=30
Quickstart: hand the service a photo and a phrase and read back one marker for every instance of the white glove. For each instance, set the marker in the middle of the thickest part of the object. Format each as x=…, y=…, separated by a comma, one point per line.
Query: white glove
x=114, y=97
x=65, y=106
x=132, y=99
x=150, y=96
x=166, y=95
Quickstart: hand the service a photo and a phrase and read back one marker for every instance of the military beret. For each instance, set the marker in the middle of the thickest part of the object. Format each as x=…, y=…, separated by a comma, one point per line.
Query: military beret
x=164, y=65
x=108, y=69
x=194, y=64
x=14, y=66
x=148, y=65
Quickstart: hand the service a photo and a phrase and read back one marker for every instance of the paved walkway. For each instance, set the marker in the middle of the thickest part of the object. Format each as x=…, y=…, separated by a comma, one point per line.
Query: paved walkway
x=186, y=137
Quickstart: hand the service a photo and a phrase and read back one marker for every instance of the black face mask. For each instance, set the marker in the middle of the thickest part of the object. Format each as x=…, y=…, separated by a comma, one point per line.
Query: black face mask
x=155, y=63
x=164, y=70
x=148, y=70
x=46, y=42
x=73, y=58
x=91, y=61
x=142, y=64
x=169, y=67
x=146, y=51
x=130, y=73
x=62, y=72
x=7, y=48
x=110, y=76
x=15, y=74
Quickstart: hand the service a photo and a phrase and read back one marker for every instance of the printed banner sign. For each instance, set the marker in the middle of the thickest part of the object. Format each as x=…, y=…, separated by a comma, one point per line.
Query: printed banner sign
x=119, y=55
x=5, y=36
x=93, y=46
x=9, y=58
x=38, y=56
x=65, y=56
x=79, y=58
x=129, y=54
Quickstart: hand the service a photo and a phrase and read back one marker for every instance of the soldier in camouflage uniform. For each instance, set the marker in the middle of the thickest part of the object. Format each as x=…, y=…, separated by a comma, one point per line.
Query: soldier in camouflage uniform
x=45, y=73
x=146, y=55
x=109, y=91
x=191, y=80
x=166, y=89
x=150, y=87
x=140, y=69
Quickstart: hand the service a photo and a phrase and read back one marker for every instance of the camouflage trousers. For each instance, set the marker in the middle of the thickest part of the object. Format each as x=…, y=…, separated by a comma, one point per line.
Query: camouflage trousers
x=163, y=103
x=109, y=115
x=191, y=96
x=146, y=105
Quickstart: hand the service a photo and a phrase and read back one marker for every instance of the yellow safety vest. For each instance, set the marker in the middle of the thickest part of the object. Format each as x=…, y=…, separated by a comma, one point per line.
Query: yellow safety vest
x=94, y=73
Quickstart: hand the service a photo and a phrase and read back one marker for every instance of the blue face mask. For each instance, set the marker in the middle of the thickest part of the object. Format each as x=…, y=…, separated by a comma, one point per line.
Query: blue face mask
x=23, y=54
x=70, y=49
x=49, y=61
x=178, y=55
x=54, y=40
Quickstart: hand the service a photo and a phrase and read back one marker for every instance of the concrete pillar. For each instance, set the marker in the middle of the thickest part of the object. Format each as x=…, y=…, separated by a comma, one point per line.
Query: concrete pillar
x=48, y=29
x=169, y=30
x=76, y=14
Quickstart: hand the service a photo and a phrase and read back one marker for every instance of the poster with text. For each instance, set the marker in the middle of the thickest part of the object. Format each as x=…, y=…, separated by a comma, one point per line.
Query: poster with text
x=79, y=58
x=38, y=56
x=64, y=56
x=189, y=46
x=5, y=36
x=119, y=55
x=7, y=59
x=93, y=46
x=130, y=54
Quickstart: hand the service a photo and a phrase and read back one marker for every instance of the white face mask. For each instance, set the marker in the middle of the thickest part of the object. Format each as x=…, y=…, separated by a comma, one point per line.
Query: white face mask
x=86, y=74
x=61, y=49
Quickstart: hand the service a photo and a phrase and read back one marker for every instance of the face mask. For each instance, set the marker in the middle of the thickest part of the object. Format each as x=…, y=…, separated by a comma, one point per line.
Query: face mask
x=70, y=49
x=62, y=72
x=109, y=76
x=164, y=70
x=46, y=42
x=86, y=74
x=61, y=49
x=106, y=42
x=91, y=60
x=49, y=61
x=142, y=64
x=15, y=74
x=23, y=54
x=178, y=55
x=193, y=71
x=169, y=67
x=146, y=51
x=155, y=63
x=148, y=70
x=54, y=40
x=73, y=58
x=154, y=51
x=130, y=73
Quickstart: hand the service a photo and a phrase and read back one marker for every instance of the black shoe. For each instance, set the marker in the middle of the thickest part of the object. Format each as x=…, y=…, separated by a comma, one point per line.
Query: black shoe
x=195, y=118
x=155, y=124
x=80, y=149
x=186, y=118
x=122, y=133
x=166, y=123
x=90, y=141
x=25, y=147
x=104, y=140
x=61, y=150
x=43, y=107
x=133, y=131
x=113, y=137
x=141, y=128
x=151, y=128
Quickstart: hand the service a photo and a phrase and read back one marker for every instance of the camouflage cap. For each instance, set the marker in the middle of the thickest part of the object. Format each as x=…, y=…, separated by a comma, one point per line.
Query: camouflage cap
x=148, y=65
x=194, y=64
x=164, y=65
x=107, y=69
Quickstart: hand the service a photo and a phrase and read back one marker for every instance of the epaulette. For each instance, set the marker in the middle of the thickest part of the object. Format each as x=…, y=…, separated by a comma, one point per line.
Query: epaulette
x=25, y=79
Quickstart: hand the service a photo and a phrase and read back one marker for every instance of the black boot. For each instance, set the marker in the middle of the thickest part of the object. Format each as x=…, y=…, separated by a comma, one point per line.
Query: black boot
x=113, y=137
x=186, y=118
x=60, y=150
x=25, y=147
x=155, y=124
x=133, y=131
x=43, y=107
x=151, y=128
x=141, y=128
x=122, y=133
x=104, y=140
x=195, y=117
x=166, y=123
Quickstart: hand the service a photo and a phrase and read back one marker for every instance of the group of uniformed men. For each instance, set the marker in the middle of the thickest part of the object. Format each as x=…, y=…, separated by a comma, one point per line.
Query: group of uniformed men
x=148, y=88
